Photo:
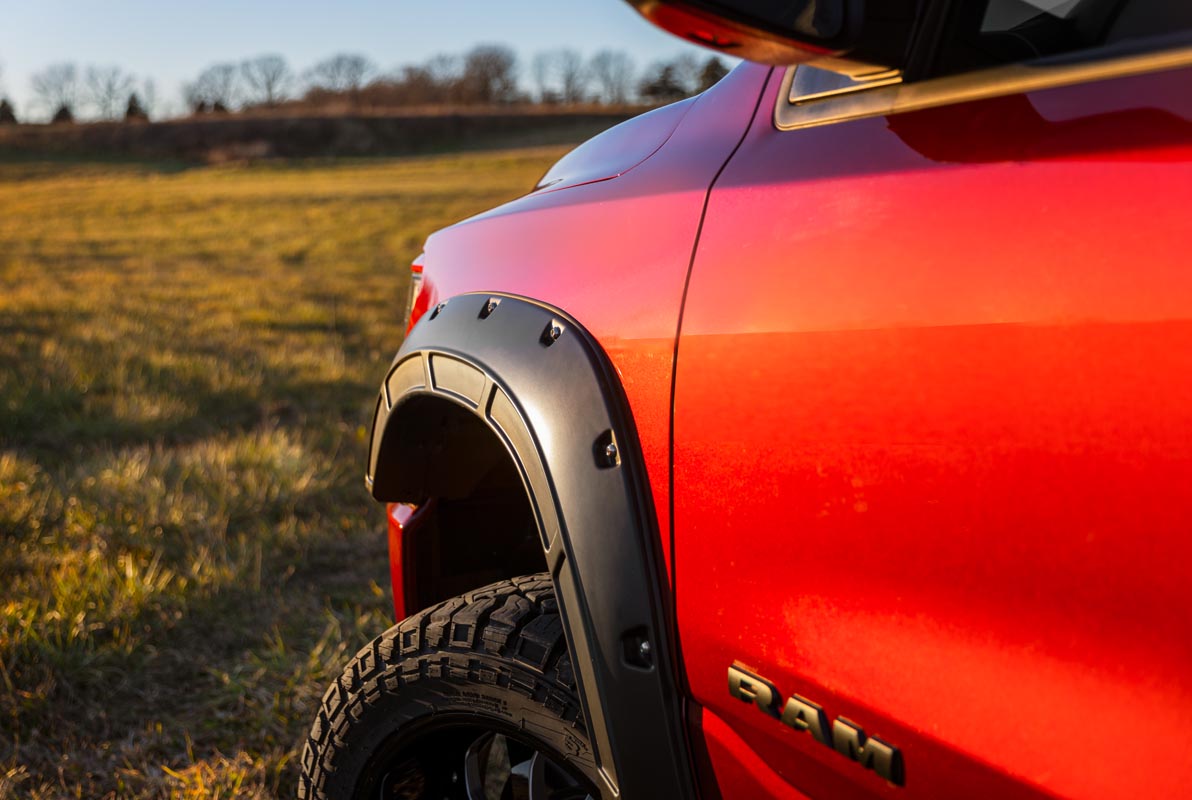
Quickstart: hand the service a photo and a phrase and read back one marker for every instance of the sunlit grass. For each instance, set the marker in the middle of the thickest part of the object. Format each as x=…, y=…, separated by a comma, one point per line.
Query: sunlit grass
x=188, y=360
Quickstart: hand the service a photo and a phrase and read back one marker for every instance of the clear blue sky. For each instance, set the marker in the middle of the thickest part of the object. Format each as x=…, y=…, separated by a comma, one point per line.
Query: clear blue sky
x=172, y=40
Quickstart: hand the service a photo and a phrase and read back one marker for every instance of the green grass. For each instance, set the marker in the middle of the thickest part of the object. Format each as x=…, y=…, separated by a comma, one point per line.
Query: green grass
x=188, y=361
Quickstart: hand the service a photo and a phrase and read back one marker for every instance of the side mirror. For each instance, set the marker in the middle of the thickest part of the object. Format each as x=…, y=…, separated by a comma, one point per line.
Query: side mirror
x=836, y=34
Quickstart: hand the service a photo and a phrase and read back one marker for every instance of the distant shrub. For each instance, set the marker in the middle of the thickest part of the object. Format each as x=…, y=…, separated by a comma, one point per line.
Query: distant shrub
x=8, y=116
x=713, y=70
x=662, y=86
x=64, y=114
x=135, y=112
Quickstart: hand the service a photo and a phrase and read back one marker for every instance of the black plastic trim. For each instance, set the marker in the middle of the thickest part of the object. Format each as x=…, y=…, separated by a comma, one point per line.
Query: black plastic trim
x=543, y=385
x=1053, y=72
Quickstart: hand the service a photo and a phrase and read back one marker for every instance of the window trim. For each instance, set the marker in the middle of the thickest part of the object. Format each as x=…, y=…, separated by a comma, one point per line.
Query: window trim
x=1084, y=66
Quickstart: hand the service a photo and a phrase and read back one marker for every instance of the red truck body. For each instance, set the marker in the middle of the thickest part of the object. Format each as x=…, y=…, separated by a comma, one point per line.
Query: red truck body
x=914, y=397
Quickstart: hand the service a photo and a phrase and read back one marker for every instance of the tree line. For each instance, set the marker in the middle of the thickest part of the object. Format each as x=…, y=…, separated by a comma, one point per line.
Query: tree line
x=487, y=75
x=105, y=92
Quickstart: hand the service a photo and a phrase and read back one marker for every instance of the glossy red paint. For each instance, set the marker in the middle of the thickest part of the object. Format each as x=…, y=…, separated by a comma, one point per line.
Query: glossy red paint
x=617, y=150
x=570, y=248
x=740, y=772
x=420, y=294
x=404, y=520
x=933, y=443
x=932, y=420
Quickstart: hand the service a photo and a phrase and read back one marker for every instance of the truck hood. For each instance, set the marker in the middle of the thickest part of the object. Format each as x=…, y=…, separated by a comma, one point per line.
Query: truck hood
x=617, y=150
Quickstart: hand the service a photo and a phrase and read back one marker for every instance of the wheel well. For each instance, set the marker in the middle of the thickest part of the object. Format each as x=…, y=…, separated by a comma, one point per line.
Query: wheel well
x=479, y=527
x=553, y=402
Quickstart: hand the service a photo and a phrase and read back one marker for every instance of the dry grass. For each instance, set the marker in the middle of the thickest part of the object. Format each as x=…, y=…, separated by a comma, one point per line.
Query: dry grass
x=187, y=366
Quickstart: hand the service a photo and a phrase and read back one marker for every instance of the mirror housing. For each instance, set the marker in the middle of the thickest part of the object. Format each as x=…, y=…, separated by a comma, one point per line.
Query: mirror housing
x=854, y=37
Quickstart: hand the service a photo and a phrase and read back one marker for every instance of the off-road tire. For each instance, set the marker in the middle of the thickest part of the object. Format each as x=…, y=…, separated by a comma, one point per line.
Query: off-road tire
x=494, y=657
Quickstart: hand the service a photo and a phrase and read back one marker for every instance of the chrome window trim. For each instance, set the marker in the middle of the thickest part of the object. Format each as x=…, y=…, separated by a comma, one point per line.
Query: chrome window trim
x=845, y=84
x=967, y=87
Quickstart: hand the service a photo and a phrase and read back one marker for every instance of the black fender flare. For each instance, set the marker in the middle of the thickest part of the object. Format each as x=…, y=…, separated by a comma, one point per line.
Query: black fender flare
x=545, y=388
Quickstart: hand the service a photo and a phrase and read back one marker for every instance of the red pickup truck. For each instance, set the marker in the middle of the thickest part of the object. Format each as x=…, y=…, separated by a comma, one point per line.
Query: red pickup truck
x=828, y=434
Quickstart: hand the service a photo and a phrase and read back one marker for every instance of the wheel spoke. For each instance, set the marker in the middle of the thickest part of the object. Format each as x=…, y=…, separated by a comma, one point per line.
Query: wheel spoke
x=486, y=767
x=537, y=778
x=474, y=764
x=493, y=768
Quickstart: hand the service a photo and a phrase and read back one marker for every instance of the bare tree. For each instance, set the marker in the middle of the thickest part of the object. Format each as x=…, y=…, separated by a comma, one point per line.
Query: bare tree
x=8, y=114
x=415, y=85
x=107, y=89
x=216, y=87
x=343, y=72
x=687, y=71
x=57, y=89
x=446, y=73
x=560, y=75
x=149, y=97
x=445, y=67
x=193, y=99
x=436, y=81
x=573, y=76
x=543, y=70
x=613, y=72
x=267, y=78
x=490, y=74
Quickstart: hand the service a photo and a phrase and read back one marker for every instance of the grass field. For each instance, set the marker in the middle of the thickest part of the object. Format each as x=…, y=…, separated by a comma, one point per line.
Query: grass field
x=188, y=360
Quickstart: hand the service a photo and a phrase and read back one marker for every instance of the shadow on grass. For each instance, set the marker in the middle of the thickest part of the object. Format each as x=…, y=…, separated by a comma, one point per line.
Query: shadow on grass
x=17, y=165
x=49, y=408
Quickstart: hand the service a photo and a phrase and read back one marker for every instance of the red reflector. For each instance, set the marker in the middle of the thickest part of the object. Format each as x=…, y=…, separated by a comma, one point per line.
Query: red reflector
x=413, y=309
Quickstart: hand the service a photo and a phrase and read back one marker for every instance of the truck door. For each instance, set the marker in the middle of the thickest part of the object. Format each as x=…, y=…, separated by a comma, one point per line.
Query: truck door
x=933, y=422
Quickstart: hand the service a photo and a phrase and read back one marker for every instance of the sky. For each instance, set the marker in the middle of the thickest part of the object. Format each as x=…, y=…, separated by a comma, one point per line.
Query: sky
x=173, y=40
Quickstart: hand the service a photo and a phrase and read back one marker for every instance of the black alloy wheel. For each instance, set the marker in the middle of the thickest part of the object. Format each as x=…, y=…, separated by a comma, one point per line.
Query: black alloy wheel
x=466, y=762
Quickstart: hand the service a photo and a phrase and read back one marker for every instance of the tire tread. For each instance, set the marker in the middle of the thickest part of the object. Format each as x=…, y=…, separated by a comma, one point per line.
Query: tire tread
x=507, y=634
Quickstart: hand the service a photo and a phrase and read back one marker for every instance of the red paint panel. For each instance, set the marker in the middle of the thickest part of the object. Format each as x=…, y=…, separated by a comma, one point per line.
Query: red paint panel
x=617, y=150
x=935, y=380
x=613, y=254
x=398, y=517
x=740, y=773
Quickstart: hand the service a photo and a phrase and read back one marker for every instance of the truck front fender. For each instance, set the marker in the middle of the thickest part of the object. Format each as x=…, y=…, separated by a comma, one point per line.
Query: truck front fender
x=542, y=385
